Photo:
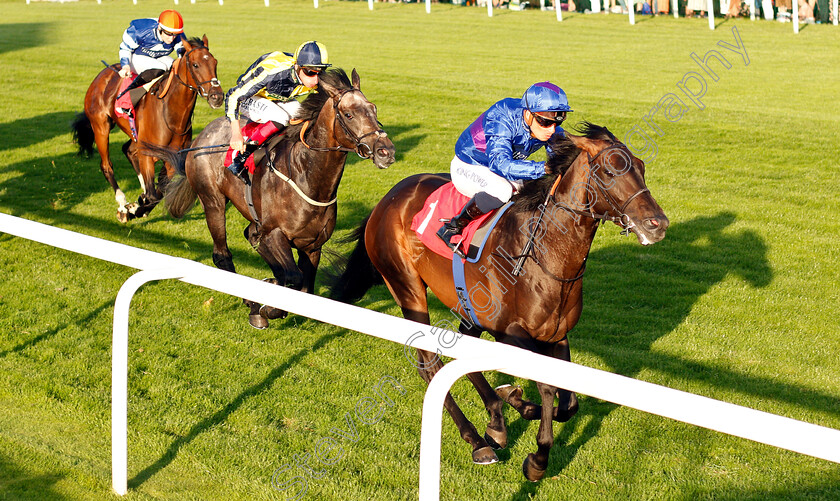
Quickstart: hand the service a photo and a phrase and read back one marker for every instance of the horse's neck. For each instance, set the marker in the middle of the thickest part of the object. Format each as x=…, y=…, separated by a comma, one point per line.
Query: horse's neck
x=321, y=170
x=569, y=234
x=179, y=99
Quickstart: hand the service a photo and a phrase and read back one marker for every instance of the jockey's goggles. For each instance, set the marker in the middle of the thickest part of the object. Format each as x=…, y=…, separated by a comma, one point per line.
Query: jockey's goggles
x=311, y=72
x=547, y=122
x=164, y=32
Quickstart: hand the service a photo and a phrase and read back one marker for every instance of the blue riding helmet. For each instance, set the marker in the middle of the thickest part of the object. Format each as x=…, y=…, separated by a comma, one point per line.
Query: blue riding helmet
x=545, y=96
x=312, y=54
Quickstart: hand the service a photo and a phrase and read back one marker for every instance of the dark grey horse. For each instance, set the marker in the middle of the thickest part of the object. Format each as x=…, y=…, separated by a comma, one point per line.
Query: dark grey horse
x=294, y=185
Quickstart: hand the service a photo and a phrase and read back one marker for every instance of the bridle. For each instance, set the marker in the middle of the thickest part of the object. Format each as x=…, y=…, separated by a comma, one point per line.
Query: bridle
x=198, y=88
x=622, y=219
x=360, y=148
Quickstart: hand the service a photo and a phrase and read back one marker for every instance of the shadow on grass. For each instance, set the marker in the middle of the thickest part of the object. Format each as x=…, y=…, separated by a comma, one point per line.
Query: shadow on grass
x=404, y=139
x=52, y=332
x=19, y=484
x=25, y=132
x=226, y=411
x=48, y=190
x=19, y=36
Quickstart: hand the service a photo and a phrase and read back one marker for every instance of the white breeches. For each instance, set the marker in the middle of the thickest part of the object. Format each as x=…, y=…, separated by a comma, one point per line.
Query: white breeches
x=140, y=63
x=262, y=110
x=470, y=179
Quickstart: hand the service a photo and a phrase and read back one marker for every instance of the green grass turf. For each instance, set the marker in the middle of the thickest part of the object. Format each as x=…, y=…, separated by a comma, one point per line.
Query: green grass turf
x=739, y=302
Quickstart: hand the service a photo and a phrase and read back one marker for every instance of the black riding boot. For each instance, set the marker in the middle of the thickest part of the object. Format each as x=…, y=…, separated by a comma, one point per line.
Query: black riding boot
x=142, y=79
x=457, y=224
x=237, y=166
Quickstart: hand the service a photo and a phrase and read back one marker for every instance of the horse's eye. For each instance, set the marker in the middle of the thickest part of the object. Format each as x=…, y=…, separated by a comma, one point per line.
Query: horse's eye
x=348, y=116
x=195, y=65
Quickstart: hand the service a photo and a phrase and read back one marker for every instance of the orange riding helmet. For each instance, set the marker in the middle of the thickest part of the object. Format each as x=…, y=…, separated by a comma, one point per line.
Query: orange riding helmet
x=171, y=21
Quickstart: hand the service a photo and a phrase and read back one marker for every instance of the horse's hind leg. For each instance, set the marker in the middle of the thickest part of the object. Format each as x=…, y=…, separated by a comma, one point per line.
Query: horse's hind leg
x=496, y=432
x=101, y=132
x=276, y=250
x=428, y=365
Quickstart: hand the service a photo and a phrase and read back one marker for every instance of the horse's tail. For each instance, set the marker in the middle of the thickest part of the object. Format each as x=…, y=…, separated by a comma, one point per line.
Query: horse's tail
x=179, y=196
x=83, y=134
x=357, y=274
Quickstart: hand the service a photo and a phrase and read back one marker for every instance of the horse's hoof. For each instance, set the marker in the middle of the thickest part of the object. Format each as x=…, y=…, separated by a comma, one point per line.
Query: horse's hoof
x=122, y=216
x=508, y=392
x=531, y=471
x=257, y=321
x=272, y=313
x=495, y=438
x=485, y=455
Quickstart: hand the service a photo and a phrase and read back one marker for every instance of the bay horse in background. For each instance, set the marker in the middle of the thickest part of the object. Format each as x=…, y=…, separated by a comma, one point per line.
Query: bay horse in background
x=294, y=185
x=548, y=231
x=163, y=116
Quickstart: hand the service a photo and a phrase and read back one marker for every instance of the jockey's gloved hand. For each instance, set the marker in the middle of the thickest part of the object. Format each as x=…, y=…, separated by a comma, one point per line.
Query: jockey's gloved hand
x=125, y=71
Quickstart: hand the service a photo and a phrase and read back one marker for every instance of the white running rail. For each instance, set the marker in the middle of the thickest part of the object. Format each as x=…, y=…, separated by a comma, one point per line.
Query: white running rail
x=471, y=355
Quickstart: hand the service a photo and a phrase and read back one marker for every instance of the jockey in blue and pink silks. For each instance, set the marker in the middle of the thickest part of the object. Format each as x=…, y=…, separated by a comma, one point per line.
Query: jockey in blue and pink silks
x=490, y=162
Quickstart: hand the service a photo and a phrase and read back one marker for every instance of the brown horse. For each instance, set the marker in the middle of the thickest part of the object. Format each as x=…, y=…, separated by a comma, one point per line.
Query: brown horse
x=163, y=116
x=294, y=185
x=526, y=289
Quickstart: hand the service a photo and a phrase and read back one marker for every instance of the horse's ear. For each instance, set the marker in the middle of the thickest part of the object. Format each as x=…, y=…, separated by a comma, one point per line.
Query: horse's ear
x=204, y=40
x=356, y=79
x=329, y=89
x=584, y=143
x=187, y=46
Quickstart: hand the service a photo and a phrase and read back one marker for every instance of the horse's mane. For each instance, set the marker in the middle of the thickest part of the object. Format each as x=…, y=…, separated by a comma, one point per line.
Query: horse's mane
x=311, y=106
x=563, y=153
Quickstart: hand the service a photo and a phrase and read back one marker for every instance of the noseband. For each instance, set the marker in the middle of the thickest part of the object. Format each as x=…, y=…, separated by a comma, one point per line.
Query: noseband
x=360, y=148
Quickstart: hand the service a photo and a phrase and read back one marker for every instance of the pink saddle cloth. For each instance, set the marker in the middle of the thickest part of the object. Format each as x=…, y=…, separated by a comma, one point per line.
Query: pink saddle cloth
x=444, y=203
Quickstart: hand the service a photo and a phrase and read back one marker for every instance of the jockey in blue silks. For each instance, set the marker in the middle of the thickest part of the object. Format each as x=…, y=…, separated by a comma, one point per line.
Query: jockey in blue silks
x=145, y=49
x=490, y=161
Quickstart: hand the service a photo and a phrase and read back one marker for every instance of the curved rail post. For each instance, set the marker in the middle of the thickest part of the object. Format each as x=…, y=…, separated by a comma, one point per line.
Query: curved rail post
x=430, y=432
x=119, y=373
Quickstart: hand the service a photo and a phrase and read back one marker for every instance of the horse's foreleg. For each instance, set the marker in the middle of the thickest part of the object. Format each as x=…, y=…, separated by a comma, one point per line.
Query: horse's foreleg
x=276, y=250
x=568, y=404
x=535, y=463
x=496, y=432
